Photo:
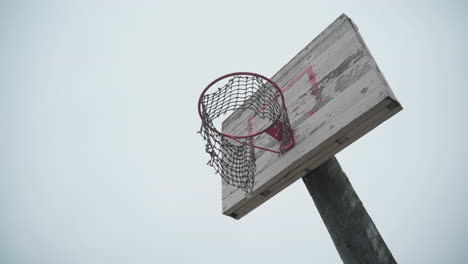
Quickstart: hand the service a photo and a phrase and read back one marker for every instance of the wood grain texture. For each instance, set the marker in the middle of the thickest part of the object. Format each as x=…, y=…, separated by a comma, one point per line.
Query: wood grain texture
x=334, y=93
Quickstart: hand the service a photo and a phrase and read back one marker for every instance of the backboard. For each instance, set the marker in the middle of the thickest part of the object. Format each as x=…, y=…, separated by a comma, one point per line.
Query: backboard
x=334, y=93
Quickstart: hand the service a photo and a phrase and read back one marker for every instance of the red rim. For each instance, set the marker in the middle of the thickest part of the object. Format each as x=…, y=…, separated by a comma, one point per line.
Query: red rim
x=242, y=73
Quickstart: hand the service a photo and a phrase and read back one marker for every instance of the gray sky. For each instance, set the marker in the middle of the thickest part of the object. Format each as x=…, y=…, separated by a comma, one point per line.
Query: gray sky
x=100, y=162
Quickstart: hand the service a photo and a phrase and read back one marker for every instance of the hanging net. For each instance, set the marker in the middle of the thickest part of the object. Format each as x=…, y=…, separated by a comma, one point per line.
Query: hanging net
x=233, y=156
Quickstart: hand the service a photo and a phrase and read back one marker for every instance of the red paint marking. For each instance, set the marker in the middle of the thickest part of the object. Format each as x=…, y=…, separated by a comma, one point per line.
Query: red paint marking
x=312, y=80
x=311, y=113
x=309, y=72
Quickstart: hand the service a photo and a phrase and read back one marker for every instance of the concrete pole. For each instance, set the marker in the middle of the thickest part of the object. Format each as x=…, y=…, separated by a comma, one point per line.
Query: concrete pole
x=354, y=234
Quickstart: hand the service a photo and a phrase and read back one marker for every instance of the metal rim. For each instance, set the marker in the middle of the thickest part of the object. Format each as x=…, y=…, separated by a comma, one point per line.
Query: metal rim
x=241, y=73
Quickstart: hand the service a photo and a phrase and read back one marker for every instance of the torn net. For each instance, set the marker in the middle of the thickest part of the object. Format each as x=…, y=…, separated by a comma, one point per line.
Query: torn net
x=232, y=157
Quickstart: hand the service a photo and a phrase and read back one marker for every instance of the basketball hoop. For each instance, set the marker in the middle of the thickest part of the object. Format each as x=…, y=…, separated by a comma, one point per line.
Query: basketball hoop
x=252, y=96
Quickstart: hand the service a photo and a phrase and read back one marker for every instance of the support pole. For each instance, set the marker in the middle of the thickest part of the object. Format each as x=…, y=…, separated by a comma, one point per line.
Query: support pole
x=354, y=234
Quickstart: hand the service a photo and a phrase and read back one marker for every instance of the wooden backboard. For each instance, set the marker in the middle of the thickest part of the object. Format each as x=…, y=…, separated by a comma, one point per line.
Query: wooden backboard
x=334, y=93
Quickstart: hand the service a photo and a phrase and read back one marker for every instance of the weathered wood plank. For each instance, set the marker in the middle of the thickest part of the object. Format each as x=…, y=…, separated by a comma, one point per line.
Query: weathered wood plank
x=371, y=120
x=299, y=99
x=335, y=93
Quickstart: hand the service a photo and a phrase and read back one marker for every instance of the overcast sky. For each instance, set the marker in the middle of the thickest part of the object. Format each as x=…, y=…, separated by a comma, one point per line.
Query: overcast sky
x=100, y=161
